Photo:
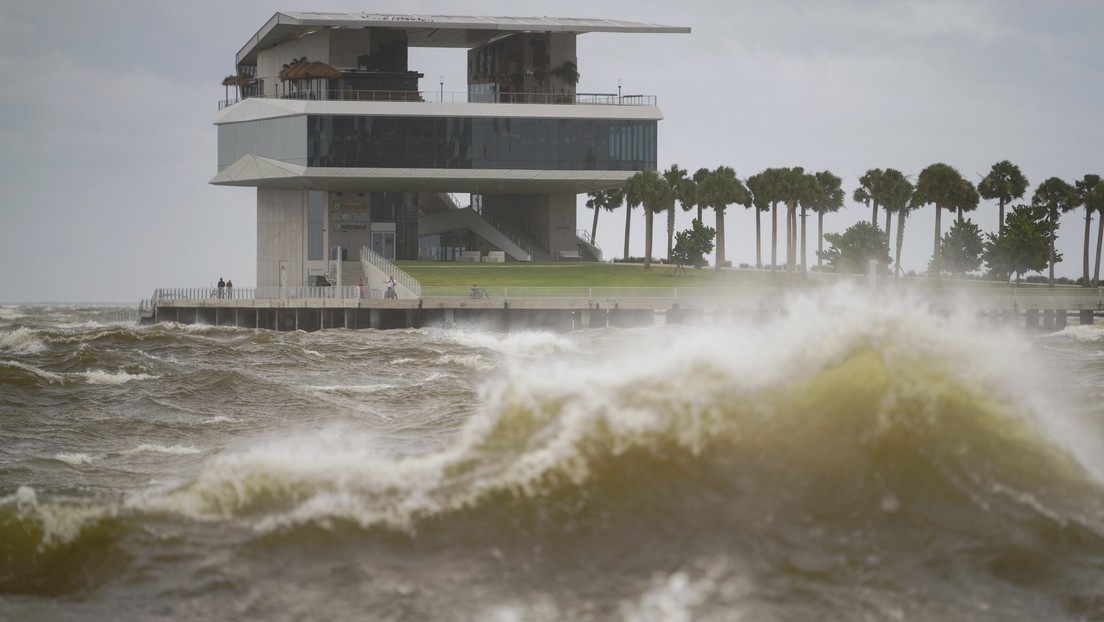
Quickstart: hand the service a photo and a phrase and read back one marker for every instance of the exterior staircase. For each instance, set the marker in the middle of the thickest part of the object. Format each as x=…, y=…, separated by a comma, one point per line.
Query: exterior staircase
x=378, y=271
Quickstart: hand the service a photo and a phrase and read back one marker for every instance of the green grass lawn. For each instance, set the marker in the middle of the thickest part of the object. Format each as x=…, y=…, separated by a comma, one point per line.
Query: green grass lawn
x=595, y=275
x=586, y=274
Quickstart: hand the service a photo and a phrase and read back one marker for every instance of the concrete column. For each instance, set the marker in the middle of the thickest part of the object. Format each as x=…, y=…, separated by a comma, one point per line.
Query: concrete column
x=1086, y=317
x=1048, y=319
x=1060, y=319
x=1032, y=318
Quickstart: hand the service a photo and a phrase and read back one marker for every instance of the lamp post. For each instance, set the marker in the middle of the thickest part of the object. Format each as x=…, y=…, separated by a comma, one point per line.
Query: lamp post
x=442, y=89
x=619, y=90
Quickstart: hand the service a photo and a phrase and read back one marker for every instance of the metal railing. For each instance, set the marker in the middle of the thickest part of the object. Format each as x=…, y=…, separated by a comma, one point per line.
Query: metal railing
x=1076, y=296
x=264, y=293
x=456, y=97
x=368, y=256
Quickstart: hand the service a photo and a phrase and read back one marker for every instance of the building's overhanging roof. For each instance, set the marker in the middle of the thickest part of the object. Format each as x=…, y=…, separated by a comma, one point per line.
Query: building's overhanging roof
x=260, y=172
x=447, y=31
x=257, y=108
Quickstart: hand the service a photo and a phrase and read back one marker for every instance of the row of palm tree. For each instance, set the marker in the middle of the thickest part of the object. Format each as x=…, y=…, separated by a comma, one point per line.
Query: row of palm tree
x=799, y=192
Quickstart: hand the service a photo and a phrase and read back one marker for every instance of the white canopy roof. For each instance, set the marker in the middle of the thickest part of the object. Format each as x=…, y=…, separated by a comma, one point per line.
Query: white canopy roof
x=449, y=31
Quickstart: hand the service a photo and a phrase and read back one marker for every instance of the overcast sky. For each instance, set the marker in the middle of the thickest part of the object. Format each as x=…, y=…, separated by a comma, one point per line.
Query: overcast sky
x=107, y=141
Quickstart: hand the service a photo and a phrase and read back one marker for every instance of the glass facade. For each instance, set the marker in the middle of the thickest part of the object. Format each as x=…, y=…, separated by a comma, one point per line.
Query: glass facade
x=480, y=142
x=316, y=204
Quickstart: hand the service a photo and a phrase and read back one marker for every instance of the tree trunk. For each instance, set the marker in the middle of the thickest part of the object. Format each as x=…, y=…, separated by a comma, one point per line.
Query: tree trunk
x=789, y=236
x=700, y=214
x=758, y=238
x=774, y=237
x=804, y=265
x=960, y=214
x=1000, y=225
x=874, y=214
x=1053, y=222
x=648, y=217
x=889, y=227
x=628, y=221
x=900, y=242
x=670, y=230
x=1088, y=227
x=594, y=227
x=1099, y=240
x=820, y=237
x=793, y=238
x=720, y=237
x=938, y=235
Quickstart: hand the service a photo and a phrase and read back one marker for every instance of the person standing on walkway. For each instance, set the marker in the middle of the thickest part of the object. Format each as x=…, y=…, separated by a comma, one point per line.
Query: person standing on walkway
x=221, y=286
x=229, y=288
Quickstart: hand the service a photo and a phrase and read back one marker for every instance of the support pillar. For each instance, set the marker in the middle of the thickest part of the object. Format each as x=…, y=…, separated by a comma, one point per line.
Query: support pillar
x=1031, y=319
x=1086, y=317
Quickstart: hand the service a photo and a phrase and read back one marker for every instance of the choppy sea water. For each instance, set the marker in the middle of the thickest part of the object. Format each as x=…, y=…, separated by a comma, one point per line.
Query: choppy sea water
x=853, y=460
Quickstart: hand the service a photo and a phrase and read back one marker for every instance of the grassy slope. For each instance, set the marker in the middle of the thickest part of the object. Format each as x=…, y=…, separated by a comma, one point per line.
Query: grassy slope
x=633, y=275
x=592, y=275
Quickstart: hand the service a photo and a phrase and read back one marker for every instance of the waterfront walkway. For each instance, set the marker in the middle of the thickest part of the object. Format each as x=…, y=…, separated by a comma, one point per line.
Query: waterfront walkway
x=567, y=308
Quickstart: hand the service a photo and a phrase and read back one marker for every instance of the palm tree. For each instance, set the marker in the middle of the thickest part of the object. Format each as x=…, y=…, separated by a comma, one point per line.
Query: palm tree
x=629, y=207
x=1095, y=198
x=869, y=192
x=608, y=200
x=1003, y=183
x=719, y=189
x=967, y=200
x=699, y=177
x=827, y=196
x=1083, y=190
x=897, y=197
x=760, y=187
x=681, y=184
x=649, y=189
x=1056, y=196
x=794, y=187
x=942, y=185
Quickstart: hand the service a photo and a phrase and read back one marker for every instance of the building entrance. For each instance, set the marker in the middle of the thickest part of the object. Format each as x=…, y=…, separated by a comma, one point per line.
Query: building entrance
x=383, y=244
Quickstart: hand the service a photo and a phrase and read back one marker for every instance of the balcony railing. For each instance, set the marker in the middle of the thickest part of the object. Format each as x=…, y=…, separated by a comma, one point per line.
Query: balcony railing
x=459, y=97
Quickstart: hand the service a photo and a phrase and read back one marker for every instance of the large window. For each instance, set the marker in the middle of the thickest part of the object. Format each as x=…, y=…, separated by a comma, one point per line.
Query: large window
x=316, y=203
x=480, y=142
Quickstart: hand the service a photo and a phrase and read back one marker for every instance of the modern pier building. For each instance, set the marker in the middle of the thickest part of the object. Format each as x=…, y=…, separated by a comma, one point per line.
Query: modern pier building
x=324, y=116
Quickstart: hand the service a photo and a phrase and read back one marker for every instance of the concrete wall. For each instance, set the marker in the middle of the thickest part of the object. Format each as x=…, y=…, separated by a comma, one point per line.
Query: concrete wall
x=548, y=217
x=282, y=237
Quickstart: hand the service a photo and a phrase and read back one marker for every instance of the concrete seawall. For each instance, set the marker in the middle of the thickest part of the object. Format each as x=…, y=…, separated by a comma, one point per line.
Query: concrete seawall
x=562, y=314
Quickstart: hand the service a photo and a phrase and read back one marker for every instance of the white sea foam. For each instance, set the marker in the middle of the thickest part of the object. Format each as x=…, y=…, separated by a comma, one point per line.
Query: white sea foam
x=517, y=343
x=364, y=388
x=96, y=376
x=218, y=419
x=1086, y=333
x=10, y=313
x=473, y=361
x=22, y=341
x=76, y=458
x=60, y=523
x=45, y=375
x=178, y=450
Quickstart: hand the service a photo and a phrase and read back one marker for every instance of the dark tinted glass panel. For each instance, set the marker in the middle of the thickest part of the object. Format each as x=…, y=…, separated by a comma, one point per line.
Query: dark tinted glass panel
x=481, y=142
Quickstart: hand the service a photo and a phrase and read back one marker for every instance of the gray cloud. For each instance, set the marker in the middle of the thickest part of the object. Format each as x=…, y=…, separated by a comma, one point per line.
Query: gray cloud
x=108, y=142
